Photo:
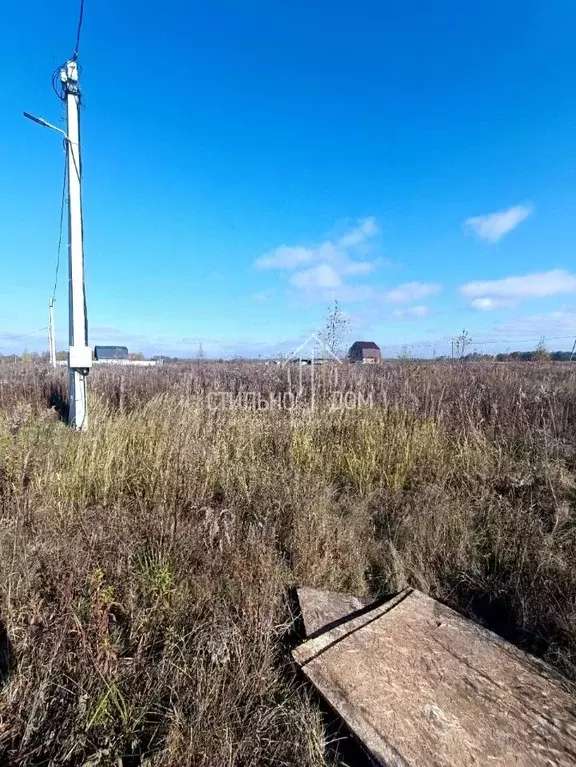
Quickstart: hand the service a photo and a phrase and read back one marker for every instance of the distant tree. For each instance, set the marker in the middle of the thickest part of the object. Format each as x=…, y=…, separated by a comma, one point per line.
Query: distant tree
x=476, y=356
x=200, y=352
x=135, y=356
x=541, y=353
x=405, y=354
x=336, y=330
x=560, y=356
x=461, y=343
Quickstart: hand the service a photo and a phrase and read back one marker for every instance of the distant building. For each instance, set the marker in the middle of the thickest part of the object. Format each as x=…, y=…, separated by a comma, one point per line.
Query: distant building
x=365, y=352
x=110, y=353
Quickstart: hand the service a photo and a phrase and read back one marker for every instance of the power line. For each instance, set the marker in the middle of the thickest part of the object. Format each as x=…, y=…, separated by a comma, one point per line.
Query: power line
x=76, y=168
x=431, y=344
x=519, y=341
x=62, y=206
x=57, y=83
x=78, y=31
x=23, y=335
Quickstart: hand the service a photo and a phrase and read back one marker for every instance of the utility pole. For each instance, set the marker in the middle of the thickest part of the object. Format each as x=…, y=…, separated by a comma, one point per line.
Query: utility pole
x=51, y=336
x=80, y=354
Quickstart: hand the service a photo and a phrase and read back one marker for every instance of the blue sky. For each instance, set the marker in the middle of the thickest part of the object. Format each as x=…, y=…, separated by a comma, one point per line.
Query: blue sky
x=246, y=164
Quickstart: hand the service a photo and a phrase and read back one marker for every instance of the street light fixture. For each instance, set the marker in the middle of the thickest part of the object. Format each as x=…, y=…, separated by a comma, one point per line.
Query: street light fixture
x=45, y=124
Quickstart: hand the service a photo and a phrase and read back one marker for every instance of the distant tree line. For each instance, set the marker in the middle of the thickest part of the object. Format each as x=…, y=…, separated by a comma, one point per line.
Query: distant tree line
x=535, y=355
x=532, y=356
x=27, y=356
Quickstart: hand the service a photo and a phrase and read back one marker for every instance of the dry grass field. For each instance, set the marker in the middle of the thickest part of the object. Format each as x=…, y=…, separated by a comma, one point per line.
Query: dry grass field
x=144, y=565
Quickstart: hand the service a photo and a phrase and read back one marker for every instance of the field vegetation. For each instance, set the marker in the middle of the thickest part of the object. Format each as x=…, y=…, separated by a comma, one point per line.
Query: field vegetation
x=145, y=565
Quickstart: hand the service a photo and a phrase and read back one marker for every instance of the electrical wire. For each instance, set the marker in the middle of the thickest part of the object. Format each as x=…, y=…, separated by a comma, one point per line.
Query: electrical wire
x=503, y=341
x=76, y=168
x=62, y=207
x=518, y=340
x=57, y=83
x=78, y=31
x=23, y=335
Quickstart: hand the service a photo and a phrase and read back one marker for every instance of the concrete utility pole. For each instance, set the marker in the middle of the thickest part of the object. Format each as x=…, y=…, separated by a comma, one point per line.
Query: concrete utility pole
x=80, y=354
x=51, y=336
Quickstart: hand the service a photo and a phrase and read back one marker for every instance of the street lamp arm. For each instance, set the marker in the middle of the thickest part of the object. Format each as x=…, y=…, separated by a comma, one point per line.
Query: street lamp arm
x=45, y=124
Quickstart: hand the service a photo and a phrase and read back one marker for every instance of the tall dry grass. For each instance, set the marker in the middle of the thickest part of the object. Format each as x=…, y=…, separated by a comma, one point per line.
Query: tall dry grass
x=144, y=565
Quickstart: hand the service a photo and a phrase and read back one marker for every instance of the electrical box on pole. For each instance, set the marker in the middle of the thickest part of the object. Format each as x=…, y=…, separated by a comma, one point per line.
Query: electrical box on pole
x=80, y=354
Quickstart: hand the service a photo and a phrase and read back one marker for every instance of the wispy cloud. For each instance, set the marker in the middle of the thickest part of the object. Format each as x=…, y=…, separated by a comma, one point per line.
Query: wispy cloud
x=262, y=296
x=497, y=294
x=410, y=291
x=493, y=226
x=365, y=229
x=488, y=304
x=105, y=331
x=327, y=265
x=323, y=277
x=353, y=268
x=337, y=268
x=557, y=323
x=287, y=257
x=412, y=312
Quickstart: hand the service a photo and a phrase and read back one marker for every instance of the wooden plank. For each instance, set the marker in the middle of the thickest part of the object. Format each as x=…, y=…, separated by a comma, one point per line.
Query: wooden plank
x=418, y=684
x=320, y=609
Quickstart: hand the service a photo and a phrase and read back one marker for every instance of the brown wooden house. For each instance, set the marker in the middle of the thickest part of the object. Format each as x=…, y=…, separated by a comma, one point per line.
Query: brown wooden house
x=365, y=352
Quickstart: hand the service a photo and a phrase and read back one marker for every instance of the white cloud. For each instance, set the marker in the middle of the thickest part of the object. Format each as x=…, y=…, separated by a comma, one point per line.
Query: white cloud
x=286, y=257
x=412, y=312
x=493, y=226
x=494, y=294
x=366, y=228
x=341, y=253
x=351, y=293
x=410, y=291
x=556, y=323
x=323, y=277
x=487, y=304
x=358, y=267
x=293, y=256
x=325, y=267
x=261, y=296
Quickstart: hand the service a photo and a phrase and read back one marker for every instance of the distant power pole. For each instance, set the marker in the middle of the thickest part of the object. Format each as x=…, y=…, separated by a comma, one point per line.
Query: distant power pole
x=80, y=354
x=51, y=336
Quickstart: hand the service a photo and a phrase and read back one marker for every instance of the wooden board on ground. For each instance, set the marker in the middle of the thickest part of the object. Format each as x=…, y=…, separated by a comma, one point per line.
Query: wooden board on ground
x=418, y=684
x=320, y=609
